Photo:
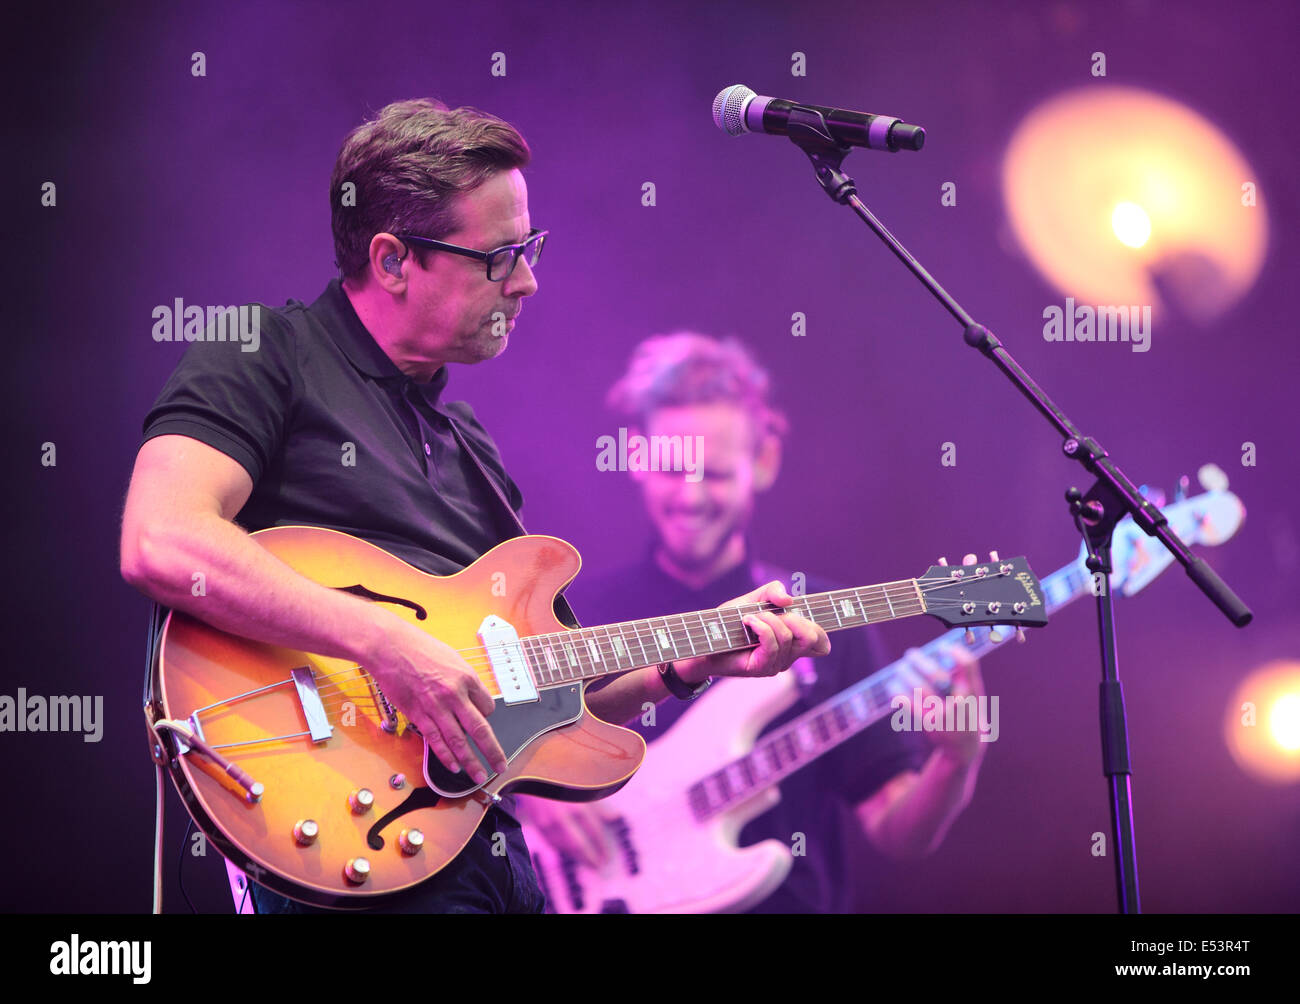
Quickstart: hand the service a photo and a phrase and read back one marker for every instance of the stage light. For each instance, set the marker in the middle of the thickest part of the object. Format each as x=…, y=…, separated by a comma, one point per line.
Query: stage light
x=1262, y=723
x=1131, y=224
x=1120, y=196
x=1284, y=721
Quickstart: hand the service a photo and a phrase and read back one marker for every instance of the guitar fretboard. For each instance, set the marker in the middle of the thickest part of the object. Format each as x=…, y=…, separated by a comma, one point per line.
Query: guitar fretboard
x=585, y=653
x=802, y=740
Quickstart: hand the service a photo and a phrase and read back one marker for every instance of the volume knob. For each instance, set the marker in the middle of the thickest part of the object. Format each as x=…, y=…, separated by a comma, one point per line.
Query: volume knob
x=361, y=800
x=357, y=870
x=411, y=840
x=305, y=832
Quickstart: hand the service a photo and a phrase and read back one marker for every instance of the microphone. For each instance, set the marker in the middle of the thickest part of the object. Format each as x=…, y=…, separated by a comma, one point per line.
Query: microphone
x=737, y=109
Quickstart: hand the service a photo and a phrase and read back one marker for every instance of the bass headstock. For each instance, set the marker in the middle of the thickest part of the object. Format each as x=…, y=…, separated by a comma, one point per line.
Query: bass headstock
x=998, y=591
x=1208, y=519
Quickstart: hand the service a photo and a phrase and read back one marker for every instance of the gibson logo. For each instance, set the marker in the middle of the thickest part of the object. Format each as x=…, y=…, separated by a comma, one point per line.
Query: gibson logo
x=1027, y=580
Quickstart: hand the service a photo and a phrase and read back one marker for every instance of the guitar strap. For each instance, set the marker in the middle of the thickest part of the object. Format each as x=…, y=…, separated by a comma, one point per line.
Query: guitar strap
x=562, y=609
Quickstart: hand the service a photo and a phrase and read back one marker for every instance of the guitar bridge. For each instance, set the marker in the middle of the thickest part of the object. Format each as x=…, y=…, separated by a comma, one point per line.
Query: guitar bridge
x=318, y=723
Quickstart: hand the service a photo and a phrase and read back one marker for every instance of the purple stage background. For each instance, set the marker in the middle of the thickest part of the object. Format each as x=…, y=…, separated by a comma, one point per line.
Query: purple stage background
x=214, y=189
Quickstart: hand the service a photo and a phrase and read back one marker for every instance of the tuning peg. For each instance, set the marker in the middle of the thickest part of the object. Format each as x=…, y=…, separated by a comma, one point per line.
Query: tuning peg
x=1153, y=495
x=1020, y=635
x=995, y=636
x=970, y=637
x=993, y=556
x=1212, y=478
x=943, y=561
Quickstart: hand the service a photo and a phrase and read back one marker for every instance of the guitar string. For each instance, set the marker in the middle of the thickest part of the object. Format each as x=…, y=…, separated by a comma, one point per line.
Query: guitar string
x=823, y=604
x=640, y=634
x=650, y=632
x=489, y=679
x=334, y=699
x=888, y=677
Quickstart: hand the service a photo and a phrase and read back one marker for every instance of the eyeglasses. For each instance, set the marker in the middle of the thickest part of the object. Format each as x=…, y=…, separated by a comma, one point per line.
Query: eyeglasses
x=500, y=261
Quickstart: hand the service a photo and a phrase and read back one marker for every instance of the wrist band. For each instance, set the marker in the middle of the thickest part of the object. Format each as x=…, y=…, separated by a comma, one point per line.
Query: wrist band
x=678, y=687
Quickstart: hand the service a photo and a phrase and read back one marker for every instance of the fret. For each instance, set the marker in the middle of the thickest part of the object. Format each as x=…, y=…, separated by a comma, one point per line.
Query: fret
x=722, y=784
x=862, y=606
x=840, y=718
x=665, y=636
x=705, y=628
x=613, y=648
x=687, y=630
x=637, y=626
x=807, y=608
x=568, y=650
x=889, y=602
x=788, y=741
x=534, y=658
x=594, y=650
x=880, y=695
x=746, y=770
x=773, y=755
x=718, y=628
x=835, y=609
x=550, y=660
x=573, y=645
x=529, y=661
x=698, y=799
x=820, y=726
x=745, y=633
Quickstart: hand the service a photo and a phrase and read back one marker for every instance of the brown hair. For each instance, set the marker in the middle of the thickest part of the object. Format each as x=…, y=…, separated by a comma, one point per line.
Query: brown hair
x=408, y=165
x=687, y=368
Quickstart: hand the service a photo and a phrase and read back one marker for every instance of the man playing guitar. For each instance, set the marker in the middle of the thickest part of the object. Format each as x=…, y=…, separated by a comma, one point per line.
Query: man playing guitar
x=337, y=420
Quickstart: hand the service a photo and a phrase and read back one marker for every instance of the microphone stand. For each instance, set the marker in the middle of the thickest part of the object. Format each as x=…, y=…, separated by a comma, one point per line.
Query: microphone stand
x=1095, y=512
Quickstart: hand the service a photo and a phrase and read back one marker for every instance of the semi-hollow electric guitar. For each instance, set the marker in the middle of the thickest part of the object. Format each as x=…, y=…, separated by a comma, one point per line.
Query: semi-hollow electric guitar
x=302, y=773
x=671, y=837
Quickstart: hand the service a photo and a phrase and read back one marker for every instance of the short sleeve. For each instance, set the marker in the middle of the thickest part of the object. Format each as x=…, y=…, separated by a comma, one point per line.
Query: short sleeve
x=235, y=401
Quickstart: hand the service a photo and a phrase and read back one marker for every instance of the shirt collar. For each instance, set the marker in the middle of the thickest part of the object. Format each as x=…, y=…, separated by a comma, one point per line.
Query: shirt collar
x=359, y=345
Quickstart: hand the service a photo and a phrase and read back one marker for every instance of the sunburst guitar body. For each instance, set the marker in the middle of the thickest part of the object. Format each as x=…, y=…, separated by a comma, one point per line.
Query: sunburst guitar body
x=348, y=817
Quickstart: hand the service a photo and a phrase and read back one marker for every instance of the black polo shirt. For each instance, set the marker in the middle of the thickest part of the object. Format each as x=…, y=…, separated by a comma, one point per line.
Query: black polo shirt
x=333, y=434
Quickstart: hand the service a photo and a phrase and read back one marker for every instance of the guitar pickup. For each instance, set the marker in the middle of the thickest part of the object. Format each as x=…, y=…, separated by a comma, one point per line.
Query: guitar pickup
x=506, y=657
x=318, y=723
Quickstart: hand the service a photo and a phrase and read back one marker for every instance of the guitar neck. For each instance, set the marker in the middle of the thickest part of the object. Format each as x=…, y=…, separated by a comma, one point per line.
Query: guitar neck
x=592, y=652
x=816, y=732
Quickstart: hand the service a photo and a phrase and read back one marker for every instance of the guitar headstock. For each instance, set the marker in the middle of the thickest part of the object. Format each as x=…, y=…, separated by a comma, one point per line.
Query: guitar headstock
x=1210, y=519
x=998, y=591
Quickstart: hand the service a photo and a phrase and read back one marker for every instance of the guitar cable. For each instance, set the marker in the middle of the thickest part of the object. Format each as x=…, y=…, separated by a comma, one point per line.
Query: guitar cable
x=157, y=840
